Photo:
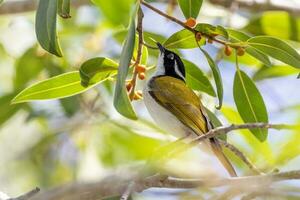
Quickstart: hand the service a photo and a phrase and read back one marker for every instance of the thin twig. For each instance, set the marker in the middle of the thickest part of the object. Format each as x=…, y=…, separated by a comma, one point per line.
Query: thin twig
x=226, y=129
x=181, y=23
x=240, y=154
x=168, y=16
x=128, y=191
x=139, y=52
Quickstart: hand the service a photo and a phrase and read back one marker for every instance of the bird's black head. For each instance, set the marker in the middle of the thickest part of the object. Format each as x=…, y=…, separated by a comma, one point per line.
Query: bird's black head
x=169, y=64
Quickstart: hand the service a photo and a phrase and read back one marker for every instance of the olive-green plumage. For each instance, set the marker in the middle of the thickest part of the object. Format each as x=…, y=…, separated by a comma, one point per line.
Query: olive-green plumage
x=175, y=107
x=186, y=106
x=179, y=100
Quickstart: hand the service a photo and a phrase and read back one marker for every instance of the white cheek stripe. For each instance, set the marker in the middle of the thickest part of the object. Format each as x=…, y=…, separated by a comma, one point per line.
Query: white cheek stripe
x=177, y=71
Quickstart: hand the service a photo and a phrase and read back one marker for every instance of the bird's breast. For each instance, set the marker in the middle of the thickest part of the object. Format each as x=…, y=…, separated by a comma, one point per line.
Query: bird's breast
x=162, y=117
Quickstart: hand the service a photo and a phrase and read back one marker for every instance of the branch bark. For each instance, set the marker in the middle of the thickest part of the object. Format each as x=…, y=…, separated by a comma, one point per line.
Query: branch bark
x=13, y=7
x=255, y=6
x=226, y=129
x=240, y=154
x=115, y=186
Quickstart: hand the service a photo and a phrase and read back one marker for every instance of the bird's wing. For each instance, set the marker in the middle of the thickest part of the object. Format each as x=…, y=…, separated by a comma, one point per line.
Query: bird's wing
x=175, y=96
x=181, y=101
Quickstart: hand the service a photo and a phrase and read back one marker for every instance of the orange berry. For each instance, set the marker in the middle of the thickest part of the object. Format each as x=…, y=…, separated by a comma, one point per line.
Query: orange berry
x=240, y=51
x=142, y=75
x=128, y=86
x=190, y=22
x=140, y=68
x=228, y=51
x=198, y=36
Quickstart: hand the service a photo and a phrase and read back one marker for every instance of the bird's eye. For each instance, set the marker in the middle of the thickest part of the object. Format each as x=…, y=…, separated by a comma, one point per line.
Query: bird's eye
x=170, y=56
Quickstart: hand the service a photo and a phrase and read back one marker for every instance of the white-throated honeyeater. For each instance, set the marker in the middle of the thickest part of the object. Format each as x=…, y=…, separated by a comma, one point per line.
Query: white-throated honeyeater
x=175, y=107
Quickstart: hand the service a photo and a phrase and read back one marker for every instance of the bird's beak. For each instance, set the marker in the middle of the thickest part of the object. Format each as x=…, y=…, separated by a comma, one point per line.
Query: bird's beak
x=160, y=47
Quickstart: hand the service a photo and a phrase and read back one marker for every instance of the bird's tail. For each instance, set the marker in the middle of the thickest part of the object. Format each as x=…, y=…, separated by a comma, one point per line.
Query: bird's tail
x=217, y=149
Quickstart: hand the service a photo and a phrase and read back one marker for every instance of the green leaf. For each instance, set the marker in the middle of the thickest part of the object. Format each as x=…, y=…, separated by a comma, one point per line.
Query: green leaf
x=277, y=49
x=183, y=39
x=144, y=57
x=190, y=8
x=91, y=71
x=148, y=36
x=273, y=72
x=250, y=103
x=64, y=8
x=215, y=122
x=196, y=79
x=45, y=26
x=27, y=67
x=117, y=12
x=70, y=105
x=205, y=28
x=217, y=76
x=121, y=99
x=212, y=30
x=64, y=85
x=7, y=110
x=220, y=30
x=238, y=36
x=279, y=24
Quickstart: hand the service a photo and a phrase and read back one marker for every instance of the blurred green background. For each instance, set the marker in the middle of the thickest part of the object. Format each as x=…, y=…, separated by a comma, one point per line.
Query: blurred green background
x=47, y=143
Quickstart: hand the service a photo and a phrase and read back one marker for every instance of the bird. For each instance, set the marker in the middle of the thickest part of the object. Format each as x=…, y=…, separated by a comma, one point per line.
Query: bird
x=175, y=107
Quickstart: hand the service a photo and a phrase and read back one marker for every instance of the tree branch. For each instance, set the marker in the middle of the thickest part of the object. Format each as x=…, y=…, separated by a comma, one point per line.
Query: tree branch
x=139, y=28
x=181, y=23
x=226, y=129
x=13, y=7
x=27, y=195
x=115, y=186
x=256, y=6
x=240, y=154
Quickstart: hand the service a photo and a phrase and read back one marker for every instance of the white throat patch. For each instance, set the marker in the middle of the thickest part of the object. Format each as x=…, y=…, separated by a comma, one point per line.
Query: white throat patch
x=160, y=69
